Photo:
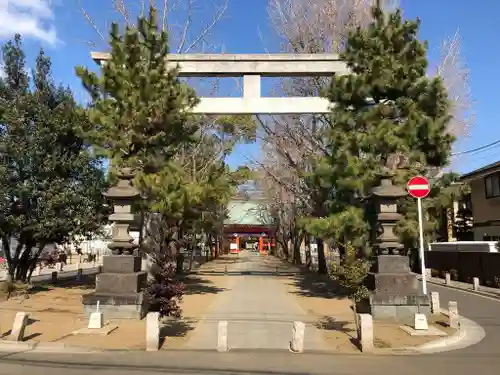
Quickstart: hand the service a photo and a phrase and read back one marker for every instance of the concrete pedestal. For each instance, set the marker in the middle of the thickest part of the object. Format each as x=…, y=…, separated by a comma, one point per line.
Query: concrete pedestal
x=119, y=289
x=396, y=292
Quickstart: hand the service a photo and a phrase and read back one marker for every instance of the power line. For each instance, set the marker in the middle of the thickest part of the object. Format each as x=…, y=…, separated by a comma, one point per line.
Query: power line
x=481, y=148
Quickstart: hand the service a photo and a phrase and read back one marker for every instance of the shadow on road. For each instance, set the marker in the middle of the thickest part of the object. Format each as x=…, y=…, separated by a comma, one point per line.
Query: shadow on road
x=309, y=284
x=175, y=328
x=198, y=285
x=329, y=323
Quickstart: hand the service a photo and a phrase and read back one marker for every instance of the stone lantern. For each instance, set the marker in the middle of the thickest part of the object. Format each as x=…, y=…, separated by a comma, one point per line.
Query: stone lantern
x=119, y=286
x=123, y=195
x=385, y=197
x=396, y=291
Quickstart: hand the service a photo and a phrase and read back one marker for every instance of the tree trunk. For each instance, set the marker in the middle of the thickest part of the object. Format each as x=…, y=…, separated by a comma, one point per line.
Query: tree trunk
x=307, y=242
x=23, y=264
x=282, y=250
x=296, y=241
x=355, y=311
x=34, y=262
x=322, y=266
x=8, y=255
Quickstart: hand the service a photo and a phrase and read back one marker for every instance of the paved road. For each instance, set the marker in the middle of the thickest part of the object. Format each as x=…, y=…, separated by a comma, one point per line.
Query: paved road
x=259, y=310
x=483, y=310
x=481, y=359
x=67, y=272
x=63, y=275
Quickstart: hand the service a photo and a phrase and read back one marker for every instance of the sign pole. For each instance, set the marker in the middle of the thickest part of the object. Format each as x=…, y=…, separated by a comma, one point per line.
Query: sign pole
x=419, y=187
x=421, y=250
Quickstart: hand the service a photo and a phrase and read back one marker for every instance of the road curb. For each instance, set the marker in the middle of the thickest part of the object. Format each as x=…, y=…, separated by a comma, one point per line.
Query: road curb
x=15, y=346
x=469, y=333
x=48, y=347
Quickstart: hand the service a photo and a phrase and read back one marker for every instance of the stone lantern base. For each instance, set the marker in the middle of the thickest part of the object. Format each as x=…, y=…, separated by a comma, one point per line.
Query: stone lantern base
x=396, y=291
x=119, y=289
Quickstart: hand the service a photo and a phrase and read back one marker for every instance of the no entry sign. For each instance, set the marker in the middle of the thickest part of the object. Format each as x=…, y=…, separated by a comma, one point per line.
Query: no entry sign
x=419, y=187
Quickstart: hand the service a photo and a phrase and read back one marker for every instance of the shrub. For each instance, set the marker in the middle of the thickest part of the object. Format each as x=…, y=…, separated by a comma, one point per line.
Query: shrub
x=163, y=291
x=351, y=275
x=454, y=274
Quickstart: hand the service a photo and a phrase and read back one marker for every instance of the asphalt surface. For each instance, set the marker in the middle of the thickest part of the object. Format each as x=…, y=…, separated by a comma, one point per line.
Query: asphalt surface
x=481, y=359
x=62, y=275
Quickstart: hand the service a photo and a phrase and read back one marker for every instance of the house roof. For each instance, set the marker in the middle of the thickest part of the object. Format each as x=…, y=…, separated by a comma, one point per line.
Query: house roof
x=481, y=172
x=247, y=213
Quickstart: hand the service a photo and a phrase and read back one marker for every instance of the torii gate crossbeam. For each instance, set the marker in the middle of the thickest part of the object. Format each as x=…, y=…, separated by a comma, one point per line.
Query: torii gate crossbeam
x=252, y=67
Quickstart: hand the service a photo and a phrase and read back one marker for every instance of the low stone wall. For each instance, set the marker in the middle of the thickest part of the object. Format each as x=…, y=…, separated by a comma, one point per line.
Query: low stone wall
x=466, y=246
x=464, y=265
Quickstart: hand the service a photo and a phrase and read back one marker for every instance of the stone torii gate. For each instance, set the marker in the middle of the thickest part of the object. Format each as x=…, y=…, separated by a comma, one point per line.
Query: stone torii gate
x=252, y=67
x=119, y=288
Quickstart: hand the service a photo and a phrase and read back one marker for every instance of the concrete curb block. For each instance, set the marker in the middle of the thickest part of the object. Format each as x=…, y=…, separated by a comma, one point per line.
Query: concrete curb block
x=62, y=348
x=15, y=347
x=469, y=333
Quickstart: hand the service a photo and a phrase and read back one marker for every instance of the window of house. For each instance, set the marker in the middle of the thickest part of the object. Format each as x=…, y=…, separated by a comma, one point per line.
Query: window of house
x=492, y=185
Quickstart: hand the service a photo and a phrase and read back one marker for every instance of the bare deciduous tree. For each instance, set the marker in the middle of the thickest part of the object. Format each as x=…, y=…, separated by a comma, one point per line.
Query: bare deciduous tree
x=455, y=74
x=321, y=26
x=186, y=20
x=286, y=200
x=293, y=143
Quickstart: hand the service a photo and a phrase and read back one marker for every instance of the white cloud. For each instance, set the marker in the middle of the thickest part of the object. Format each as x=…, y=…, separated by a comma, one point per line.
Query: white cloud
x=30, y=18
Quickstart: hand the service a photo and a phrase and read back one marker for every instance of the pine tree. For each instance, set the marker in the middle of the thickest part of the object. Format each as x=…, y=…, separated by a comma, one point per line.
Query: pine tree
x=50, y=182
x=386, y=105
x=140, y=108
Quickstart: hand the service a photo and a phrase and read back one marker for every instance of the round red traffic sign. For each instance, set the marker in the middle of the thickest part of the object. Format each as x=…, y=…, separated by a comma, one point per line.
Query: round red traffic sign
x=419, y=187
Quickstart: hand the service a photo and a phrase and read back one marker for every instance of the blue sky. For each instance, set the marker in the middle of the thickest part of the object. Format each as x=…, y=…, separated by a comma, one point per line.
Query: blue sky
x=60, y=27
